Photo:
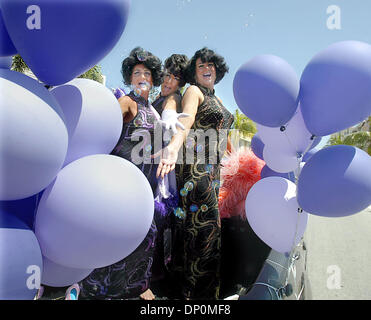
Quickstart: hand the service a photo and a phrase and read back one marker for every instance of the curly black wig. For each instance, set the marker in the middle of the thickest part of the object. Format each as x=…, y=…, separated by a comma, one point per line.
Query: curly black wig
x=176, y=64
x=140, y=56
x=206, y=55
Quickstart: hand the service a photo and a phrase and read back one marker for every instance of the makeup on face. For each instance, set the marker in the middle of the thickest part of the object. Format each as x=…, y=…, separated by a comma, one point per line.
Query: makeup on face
x=141, y=78
x=205, y=73
x=170, y=84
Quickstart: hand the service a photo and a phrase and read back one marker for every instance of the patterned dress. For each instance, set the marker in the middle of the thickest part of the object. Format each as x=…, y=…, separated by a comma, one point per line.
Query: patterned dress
x=131, y=276
x=163, y=247
x=197, y=234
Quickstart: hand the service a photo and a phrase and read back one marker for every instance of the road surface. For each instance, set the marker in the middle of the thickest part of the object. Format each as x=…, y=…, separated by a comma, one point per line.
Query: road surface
x=339, y=256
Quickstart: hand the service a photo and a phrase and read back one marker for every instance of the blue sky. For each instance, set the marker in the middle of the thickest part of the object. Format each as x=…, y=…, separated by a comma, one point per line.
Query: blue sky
x=294, y=30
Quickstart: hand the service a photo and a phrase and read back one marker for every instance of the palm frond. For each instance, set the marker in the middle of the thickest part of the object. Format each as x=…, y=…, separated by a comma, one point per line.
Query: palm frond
x=94, y=73
x=18, y=64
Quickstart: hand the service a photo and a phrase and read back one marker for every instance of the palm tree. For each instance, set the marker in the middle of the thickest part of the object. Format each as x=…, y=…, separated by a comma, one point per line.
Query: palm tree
x=19, y=65
x=94, y=73
x=244, y=125
x=243, y=129
x=359, y=138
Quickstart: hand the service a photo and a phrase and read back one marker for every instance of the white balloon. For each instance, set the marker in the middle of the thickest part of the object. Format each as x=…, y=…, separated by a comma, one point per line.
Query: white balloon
x=280, y=160
x=293, y=137
x=273, y=213
x=93, y=117
x=96, y=212
x=55, y=275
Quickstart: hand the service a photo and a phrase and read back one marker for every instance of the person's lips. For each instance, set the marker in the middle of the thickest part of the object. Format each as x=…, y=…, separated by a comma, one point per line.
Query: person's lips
x=143, y=85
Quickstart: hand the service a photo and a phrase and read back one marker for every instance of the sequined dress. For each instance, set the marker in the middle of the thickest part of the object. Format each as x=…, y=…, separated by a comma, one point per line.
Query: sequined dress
x=158, y=103
x=131, y=276
x=165, y=205
x=197, y=243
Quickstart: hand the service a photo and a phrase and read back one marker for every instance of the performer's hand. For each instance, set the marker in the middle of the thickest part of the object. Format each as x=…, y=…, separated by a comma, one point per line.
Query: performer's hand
x=118, y=92
x=169, y=120
x=168, y=160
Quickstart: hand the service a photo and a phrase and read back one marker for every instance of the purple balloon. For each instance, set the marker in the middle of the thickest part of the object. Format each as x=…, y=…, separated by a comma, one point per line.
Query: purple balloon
x=55, y=275
x=337, y=81
x=336, y=182
x=268, y=172
x=96, y=212
x=316, y=142
x=35, y=87
x=257, y=146
x=24, y=209
x=34, y=136
x=309, y=154
x=6, y=45
x=20, y=259
x=266, y=90
x=61, y=40
x=6, y=62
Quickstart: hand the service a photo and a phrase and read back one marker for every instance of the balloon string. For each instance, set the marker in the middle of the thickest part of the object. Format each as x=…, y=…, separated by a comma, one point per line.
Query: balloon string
x=300, y=210
x=302, y=156
x=296, y=177
x=291, y=256
x=299, y=157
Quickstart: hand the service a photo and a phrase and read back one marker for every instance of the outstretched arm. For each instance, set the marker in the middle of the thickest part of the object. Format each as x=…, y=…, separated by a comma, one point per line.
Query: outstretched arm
x=169, y=116
x=191, y=100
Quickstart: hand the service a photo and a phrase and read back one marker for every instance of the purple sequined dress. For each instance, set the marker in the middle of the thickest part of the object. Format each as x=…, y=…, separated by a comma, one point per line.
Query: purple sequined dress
x=131, y=276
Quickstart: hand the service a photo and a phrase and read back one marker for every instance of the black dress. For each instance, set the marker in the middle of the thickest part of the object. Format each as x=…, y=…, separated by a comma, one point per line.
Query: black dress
x=131, y=276
x=159, y=102
x=165, y=205
x=197, y=236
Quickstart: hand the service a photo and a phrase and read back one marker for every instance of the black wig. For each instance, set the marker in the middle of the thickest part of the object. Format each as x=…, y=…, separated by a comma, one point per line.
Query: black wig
x=206, y=55
x=176, y=64
x=141, y=56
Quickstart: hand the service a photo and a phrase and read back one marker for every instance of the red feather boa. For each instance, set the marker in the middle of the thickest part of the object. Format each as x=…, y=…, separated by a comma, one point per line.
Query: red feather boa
x=239, y=172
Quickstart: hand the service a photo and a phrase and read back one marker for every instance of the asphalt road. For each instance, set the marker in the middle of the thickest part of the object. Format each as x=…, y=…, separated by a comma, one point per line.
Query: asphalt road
x=339, y=256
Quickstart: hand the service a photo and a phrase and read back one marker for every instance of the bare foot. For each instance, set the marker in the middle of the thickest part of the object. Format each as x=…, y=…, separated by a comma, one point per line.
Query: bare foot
x=147, y=295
